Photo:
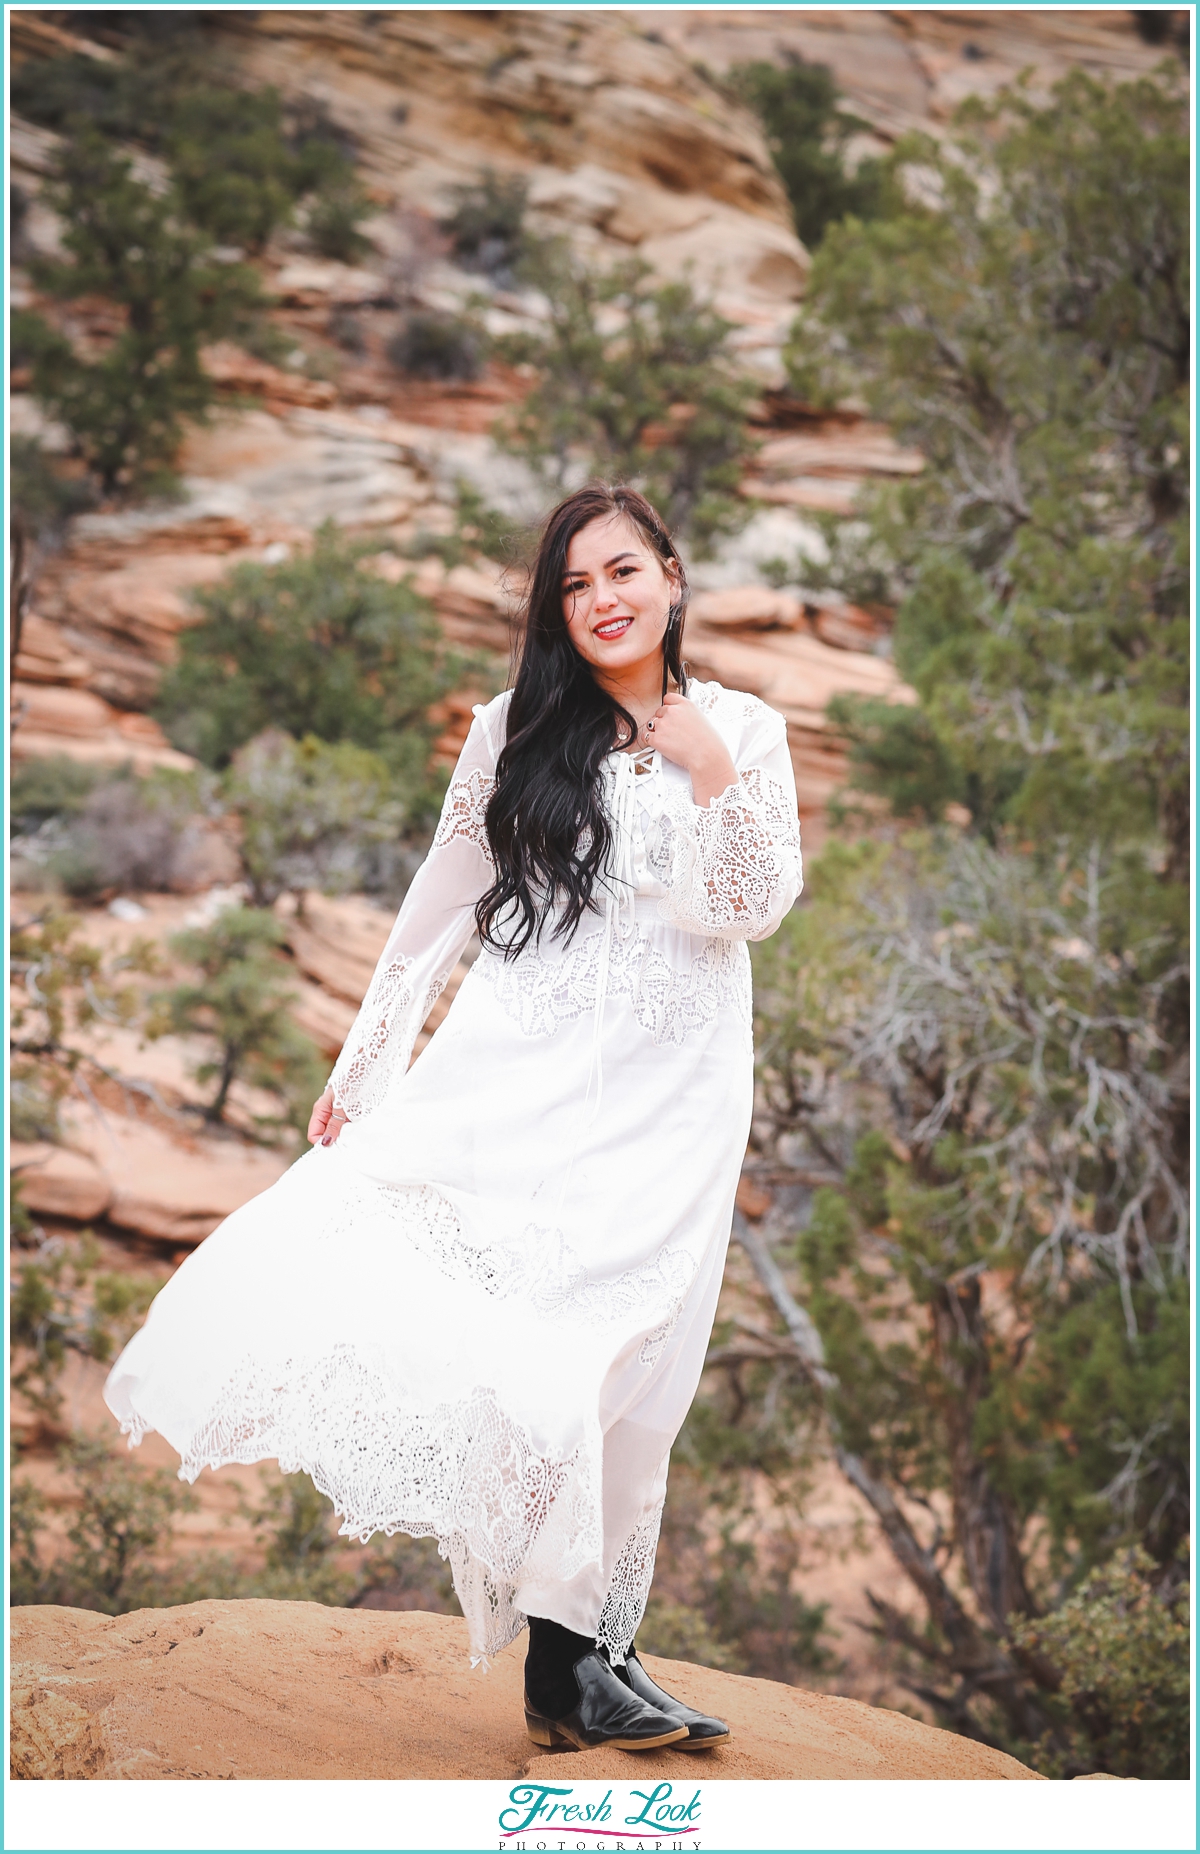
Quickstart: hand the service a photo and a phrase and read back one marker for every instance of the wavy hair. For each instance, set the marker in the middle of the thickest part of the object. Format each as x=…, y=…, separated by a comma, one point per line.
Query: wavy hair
x=546, y=823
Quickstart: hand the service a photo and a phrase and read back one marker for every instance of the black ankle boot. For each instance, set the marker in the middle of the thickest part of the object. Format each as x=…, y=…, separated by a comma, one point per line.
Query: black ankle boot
x=573, y=1696
x=552, y=1652
x=703, y=1731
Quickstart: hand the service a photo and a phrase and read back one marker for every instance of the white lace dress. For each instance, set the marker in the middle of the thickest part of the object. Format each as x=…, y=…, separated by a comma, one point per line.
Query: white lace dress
x=481, y=1314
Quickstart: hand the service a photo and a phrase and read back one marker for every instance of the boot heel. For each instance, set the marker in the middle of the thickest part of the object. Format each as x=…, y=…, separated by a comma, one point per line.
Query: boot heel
x=539, y=1730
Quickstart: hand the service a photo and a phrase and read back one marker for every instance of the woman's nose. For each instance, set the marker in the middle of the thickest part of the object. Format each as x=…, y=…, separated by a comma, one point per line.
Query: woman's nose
x=606, y=595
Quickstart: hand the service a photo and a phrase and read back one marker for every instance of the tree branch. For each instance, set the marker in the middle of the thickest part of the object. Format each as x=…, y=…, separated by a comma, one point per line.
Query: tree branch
x=971, y=1654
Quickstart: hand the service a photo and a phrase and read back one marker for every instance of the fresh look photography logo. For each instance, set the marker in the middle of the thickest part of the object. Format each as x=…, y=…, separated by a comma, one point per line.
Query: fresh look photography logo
x=663, y=1816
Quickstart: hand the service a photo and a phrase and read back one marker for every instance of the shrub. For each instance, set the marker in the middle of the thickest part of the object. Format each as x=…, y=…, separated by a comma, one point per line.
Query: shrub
x=314, y=815
x=1121, y=1648
x=731, y=1551
x=126, y=833
x=59, y=986
x=478, y=529
x=437, y=347
x=347, y=330
x=317, y=645
x=1030, y=338
x=61, y=983
x=44, y=495
x=125, y=1516
x=807, y=133
x=236, y=173
x=33, y=1104
x=61, y=93
x=124, y=1530
x=240, y=1001
x=680, y=1632
x=240, y=171
x=130, y=98
x=238, y=164
x=487, y=227
x=335, y=213
x=63, y=1301
x=42, y=789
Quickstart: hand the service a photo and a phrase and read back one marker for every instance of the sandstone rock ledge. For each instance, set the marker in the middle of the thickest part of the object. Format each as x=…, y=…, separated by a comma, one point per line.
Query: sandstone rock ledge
x=286, y=1690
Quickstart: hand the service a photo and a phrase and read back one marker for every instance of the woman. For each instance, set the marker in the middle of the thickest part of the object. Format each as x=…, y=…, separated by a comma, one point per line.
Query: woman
x=479, y=1308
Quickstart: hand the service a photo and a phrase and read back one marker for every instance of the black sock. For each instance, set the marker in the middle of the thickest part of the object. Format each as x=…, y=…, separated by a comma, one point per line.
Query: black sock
x=551, y=1656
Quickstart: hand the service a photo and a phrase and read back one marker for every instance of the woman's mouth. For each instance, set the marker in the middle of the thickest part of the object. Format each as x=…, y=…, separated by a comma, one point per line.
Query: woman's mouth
x=612, y=627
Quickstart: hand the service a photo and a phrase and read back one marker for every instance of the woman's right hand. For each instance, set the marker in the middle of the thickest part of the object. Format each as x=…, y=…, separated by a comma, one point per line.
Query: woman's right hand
x=326, y=1121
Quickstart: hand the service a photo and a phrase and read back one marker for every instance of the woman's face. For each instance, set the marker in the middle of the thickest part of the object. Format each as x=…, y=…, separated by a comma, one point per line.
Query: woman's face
x=616, y=595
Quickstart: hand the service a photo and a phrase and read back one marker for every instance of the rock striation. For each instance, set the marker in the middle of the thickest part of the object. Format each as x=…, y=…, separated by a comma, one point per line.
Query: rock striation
x=906, y=68
x=630, y=143
x=269, y=1690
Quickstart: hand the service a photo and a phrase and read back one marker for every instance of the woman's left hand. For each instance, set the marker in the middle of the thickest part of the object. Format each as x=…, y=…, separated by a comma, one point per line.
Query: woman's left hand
x=680, y=733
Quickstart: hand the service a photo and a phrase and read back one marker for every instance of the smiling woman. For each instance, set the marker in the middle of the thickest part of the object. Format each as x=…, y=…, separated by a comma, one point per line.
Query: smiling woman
x=478, y=1309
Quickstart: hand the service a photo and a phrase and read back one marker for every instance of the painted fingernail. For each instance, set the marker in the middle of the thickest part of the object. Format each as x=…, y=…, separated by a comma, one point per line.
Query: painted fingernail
x=328, y=1140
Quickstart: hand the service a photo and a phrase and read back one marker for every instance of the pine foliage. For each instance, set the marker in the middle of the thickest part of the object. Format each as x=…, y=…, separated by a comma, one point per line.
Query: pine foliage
x=635, y=383
x=974, y=1039
x=317, y=645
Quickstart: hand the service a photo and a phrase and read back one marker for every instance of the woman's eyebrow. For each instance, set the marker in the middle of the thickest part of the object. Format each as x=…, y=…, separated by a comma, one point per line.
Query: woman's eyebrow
x=581, y=572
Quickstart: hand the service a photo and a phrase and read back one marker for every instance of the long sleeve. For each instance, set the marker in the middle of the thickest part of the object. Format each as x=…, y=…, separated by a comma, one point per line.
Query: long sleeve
x=735, y=864
x=431, y=930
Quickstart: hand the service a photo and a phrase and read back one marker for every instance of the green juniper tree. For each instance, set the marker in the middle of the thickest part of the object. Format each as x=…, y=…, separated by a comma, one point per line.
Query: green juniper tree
x=243, y=194
x=125, y=405
x=973, y=1042
x=240, y=1000
x=1034, y=344
x=317, y=645
x=807, y=134
x=655, y=399
x=236, y=169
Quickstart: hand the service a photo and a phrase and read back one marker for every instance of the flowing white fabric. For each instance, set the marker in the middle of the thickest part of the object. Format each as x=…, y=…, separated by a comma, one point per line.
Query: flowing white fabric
x=482, y=1313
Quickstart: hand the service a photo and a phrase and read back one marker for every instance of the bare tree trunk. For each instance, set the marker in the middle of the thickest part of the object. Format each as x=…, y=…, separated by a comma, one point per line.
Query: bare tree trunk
x=19, y=585
x=230, y=1063
x=983, y=1521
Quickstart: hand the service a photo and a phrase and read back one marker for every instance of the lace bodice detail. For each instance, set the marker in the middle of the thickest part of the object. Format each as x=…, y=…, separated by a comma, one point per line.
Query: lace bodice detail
x=669, y=1001
x=722, y=873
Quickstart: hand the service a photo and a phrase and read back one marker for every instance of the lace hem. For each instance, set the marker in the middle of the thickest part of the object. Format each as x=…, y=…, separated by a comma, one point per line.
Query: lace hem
x=464, y=1473
x=541, y=992
x=735, y=865
x=540, y=1265
x=629, y=1588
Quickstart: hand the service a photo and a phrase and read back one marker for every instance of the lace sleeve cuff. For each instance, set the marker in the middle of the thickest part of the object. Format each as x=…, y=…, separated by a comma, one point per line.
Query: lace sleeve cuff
x=380, y=1042
x=735, y=865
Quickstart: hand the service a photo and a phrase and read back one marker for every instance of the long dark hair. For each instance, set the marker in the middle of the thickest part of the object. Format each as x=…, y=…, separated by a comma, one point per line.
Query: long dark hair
x=549, y=833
